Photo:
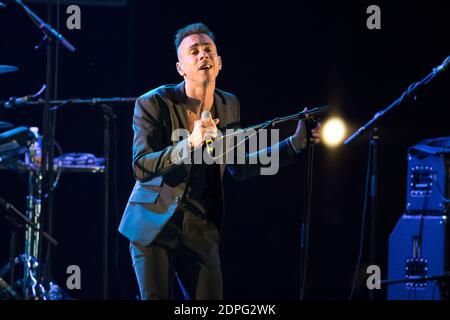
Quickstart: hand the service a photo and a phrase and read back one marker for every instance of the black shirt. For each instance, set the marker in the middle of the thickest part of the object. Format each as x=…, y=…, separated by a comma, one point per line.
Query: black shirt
x=202, y=187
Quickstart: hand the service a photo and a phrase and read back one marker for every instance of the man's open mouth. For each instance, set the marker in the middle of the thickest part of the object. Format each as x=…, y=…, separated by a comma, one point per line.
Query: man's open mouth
x=205, y=67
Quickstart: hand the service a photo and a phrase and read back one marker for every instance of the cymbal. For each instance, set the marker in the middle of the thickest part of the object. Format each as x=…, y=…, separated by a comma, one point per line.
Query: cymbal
x=6, y=69
x=5, y=125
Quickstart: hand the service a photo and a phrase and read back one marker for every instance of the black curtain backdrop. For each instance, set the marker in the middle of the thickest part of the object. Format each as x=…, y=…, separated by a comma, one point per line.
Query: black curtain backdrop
x=278, y=57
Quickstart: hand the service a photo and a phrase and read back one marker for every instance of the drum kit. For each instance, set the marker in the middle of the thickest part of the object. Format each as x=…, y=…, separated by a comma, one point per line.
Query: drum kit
x=21, y=151
x=24, y=150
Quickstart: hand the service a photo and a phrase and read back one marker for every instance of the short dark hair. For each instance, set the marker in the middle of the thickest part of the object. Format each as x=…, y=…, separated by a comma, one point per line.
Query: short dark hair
x=194, y=28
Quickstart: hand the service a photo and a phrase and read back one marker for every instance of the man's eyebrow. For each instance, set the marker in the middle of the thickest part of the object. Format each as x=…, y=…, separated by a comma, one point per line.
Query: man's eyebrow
x=200, y=44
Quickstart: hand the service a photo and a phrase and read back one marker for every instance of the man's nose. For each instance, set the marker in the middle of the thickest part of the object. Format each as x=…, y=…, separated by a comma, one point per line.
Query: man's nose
x=204, y=55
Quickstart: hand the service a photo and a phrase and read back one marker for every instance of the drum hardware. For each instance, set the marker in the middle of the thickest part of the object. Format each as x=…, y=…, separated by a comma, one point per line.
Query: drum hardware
x=14, y=143
x=7, y=69
x=26, y=142
x=30, y=286
x=72, y=162
x=40, y=174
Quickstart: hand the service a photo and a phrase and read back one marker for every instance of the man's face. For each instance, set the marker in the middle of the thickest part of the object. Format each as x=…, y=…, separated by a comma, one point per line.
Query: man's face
x=198, y=60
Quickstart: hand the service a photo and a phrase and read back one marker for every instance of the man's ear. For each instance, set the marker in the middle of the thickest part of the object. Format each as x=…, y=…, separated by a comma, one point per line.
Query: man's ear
x=179, y=69
x=220, y=63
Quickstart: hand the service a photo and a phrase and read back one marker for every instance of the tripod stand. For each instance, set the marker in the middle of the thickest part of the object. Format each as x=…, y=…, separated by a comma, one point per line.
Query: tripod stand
x=30, y=262
x=9, y=267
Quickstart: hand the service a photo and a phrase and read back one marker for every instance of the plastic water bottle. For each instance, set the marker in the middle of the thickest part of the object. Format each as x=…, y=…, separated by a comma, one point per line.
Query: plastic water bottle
x=36, y=147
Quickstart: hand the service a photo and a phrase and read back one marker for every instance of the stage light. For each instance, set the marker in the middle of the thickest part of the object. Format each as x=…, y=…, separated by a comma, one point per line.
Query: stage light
x=333, y=132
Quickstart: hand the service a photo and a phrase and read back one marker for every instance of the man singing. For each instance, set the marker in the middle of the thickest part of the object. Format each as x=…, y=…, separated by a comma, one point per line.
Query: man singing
x=174, y=214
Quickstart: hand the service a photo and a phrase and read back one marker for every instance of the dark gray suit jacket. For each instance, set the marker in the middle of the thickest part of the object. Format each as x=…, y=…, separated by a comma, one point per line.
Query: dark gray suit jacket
x=161, y=176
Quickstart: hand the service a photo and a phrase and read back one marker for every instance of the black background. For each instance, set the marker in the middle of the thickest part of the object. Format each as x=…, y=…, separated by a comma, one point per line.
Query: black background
x=278, y=57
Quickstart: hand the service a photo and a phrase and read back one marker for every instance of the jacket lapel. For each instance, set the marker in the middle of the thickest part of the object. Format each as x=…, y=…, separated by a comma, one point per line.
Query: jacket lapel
x=222, y=114
x=180, y=105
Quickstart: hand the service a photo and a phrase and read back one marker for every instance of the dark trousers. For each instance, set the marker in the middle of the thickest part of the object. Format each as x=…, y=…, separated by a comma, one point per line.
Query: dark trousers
x=187, y=250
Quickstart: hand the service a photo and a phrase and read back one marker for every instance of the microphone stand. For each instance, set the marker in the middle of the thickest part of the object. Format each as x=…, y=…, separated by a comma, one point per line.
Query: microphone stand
x=49, y=32
x=12, y=249
x=108, y=115
x=306, y=219
x=372, y=168
x=272, y=123
x=52, y=38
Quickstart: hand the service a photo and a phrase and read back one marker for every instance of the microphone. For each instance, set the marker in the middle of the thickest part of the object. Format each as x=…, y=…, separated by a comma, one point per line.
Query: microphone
x=443, y=66
x=209, y=142
x=13, y=103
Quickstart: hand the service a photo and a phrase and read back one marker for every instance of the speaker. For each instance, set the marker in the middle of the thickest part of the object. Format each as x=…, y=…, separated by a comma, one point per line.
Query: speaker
x=418, y=247
x=428, y=177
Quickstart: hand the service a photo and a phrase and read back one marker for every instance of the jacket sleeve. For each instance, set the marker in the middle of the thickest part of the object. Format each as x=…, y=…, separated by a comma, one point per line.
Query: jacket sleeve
x=250, y=165
x=151, y=155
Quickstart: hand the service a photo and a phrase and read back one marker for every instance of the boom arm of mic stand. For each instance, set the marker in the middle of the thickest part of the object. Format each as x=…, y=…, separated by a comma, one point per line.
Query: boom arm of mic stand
x=412, y=89
x=45, y=27
x=9, y=206
x=276, y=121
x=301, y=115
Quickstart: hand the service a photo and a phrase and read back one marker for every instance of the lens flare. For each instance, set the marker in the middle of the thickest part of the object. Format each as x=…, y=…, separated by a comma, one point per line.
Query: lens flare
x=333, y=132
